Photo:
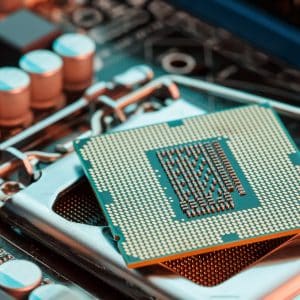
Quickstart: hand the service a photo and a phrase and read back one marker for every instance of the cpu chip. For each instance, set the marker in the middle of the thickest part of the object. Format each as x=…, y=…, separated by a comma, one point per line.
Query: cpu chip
x=195, y=185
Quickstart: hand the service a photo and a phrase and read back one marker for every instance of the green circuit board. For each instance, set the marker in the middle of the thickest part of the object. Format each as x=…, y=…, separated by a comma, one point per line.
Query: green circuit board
x=195, y=185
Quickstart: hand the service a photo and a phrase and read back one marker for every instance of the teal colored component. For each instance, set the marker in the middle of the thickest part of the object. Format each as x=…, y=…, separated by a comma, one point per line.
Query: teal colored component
x=295, y=158
x=7, y=280
x=175, y=123
x=128, y=173
x=12, y=78
x=230, y=237
x=247, y=201
x=40, y=61
x=74, y=44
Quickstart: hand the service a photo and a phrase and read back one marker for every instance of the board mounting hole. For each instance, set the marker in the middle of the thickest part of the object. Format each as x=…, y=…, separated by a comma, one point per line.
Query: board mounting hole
x=178, y=63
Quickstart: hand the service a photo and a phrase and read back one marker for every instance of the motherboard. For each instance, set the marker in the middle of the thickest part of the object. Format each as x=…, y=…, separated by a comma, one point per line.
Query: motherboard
x=188, y=171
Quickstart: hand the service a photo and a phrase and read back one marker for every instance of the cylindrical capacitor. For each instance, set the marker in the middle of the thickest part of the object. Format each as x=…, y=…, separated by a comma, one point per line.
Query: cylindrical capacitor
x=54, y=291
x=77, y=51
x=8, y=6
x=45, y=70
x=18, y=277
x=14, y=97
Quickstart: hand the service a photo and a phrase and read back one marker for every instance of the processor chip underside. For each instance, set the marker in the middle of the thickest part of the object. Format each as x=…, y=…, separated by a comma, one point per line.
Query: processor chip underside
x=195, y=185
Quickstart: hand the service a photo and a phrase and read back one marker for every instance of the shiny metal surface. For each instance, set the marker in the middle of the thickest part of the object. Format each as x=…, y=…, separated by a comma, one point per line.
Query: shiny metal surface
x=14, y=97
x=55, y=291
x=138, y=75
x=45, y=70
x=291, y=111
x=19, y=277
x=77, y=52
x=91, y=244
x=31, y=209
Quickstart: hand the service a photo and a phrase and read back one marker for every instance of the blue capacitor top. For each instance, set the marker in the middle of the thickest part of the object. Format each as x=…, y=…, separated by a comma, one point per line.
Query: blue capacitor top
x=12, y=78
x=74, y=45
x=40, y=61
